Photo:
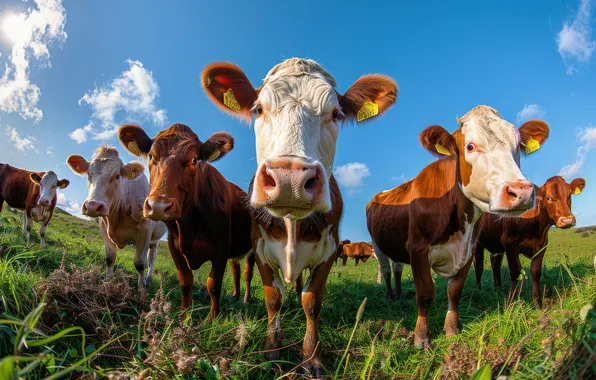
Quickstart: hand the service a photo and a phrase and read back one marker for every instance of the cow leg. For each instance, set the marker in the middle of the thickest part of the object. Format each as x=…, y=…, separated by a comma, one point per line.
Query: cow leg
x=27, y=225
x=397, y=271
x=140, y=259
x=344, y=260
x=379, y=274
x=42, y=234
x=235, y=264
x=298, y=286
x=496, y=262
x=312, y=302
x=274, y=295
x=536, y=271
x=214, y=283
x=110, y=249
x=151, y=261
x=455, y=285
x=357, y=259
x=478, y=264
x=248, y=273
x=514, y=271
x=425, y=292
x=384, y=270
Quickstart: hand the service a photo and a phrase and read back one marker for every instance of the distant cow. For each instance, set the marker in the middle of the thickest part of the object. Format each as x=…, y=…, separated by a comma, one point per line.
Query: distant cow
x=296, y=201
x=116, y=193
x=207, y=216
x=429, y=222
x=31, y=192
x=340, y=251
x=357, y=251
x=527, y=234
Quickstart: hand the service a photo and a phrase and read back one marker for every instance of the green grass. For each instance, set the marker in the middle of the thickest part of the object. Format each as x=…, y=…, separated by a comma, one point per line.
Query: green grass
x=154, y=338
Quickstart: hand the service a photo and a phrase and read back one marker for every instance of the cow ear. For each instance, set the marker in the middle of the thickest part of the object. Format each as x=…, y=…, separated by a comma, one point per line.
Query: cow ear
x=533, y=134
x=132, y=170
x=36, y=178
x=228, y=87
x=134, y=139
x=438, y=141
x=217, y=146
x=369, y=96
x=63, y=183
x=577, y=186
x=77, y=164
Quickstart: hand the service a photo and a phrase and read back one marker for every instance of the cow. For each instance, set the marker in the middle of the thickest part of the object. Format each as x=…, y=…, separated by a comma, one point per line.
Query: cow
x=116, y=193
x=295, y=200
x=31, y=192
x=340, y=251
x=358, y=251
x=206, y=215
x=428, y=222
x=527, y=234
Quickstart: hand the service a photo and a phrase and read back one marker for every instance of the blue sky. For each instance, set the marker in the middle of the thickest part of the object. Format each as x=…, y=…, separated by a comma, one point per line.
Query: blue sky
x=71, y=71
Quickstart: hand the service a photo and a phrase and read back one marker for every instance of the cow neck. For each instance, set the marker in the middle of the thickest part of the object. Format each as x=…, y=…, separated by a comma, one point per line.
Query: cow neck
x=465, y=208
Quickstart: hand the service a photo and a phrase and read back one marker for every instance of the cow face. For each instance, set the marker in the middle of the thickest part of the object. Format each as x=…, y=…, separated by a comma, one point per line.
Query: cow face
x=105, y=175
x=177, y=160
x=488, y=149
x=297, y=115
x=48, y=183
x=556, y=199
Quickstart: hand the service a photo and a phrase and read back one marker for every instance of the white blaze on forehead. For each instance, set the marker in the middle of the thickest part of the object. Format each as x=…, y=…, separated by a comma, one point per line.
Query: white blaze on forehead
x=484, y=125
x=48, y=184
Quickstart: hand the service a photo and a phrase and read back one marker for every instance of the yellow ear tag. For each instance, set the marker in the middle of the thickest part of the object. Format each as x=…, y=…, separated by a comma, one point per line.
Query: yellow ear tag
x=532, y=146
x=214, y=155
x=442, y=150
x=577, y=191
x=230, y=101
x=368, y=110
x=134, y=148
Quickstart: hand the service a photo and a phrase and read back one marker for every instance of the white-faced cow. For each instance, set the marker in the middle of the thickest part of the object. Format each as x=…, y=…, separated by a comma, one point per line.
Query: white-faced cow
x=429, y=222
x=116, y=196
x=295, y=200
x=32, y=192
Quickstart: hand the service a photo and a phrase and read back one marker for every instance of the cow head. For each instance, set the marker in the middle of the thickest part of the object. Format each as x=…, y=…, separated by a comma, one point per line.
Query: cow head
x=48, y=183
x=105, y=176
x=177, y=159
x=556, y=200
x=488, y=148
x=297, y=115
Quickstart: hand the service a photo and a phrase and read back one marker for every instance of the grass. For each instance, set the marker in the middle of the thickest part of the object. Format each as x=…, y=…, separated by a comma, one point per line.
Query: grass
x=120, y=337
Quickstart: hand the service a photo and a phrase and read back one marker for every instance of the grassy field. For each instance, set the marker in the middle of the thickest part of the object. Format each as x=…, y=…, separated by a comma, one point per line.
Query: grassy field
x=45, y=293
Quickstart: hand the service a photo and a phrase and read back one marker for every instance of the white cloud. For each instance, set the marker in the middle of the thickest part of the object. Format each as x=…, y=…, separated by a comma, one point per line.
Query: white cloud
x=30, y=33
x=134, y=93
x=21, y=143
x=574, y=41
x=530, y=111
x=352, y=174
x=399, y=178
x=587, y=137
x=73, y=208
x=50, y=151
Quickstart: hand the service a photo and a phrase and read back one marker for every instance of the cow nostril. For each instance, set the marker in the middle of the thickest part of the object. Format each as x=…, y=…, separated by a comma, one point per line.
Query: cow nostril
x=511, y=194
x=267, y=180
x=310, y=184
x=100, y=209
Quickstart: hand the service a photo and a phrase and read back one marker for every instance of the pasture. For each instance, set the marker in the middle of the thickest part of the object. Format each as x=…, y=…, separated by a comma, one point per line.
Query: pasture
x=125, y=339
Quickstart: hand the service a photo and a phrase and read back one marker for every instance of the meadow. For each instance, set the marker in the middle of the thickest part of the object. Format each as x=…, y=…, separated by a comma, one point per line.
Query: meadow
x=58, y=318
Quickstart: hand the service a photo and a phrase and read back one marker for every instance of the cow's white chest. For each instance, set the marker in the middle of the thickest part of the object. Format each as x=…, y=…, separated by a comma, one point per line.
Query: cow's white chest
x=292, y=257
x=447, y=259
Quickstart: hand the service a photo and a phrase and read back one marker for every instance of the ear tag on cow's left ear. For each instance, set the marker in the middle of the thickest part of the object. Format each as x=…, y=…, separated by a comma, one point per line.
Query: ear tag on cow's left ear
x=442, y=150
x=577, y=191
x=532, y=146
x=368, y=110
x=214, y=155
x=230, y=101
x=134, y=148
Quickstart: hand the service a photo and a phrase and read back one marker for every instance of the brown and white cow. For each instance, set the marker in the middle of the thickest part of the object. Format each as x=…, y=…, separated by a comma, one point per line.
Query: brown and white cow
x=360, y=251
x=429, y=222
x=116, y=193
x=207, y=216
x=31, y=192
x=295, y=199
x=527, y=234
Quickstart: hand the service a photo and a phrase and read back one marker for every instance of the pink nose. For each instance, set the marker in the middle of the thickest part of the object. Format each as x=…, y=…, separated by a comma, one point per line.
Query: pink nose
x=289, y=183
x=160, y=208
x=44, y=202
x=518, y=196
x=94, y=209
x=566, y=222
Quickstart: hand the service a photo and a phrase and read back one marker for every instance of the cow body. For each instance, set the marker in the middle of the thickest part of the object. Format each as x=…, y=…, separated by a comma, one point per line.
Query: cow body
x=206, y=216
x=34, y=193
x=429, y=222
x=526, y=235
x=360, y=251
x=340, y=249
x=296, y=201
x=116, y=193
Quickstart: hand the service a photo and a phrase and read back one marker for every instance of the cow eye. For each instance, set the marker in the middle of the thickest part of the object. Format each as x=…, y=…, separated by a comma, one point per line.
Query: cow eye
x=548, y=198
x=470, y=147
x=117, y=177
x=195, y=161
x=150, y=156
x=259, y=109
x=335, y=115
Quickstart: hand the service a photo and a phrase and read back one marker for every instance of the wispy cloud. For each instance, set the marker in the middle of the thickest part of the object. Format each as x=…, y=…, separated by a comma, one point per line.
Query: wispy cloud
x=352, y=175
x=134, y=92
x=399, y=178
x=31, y=34
x=574, y=41
x=530, y=111
x=50, y=151
x=587, y=137
x=21, y=143
x=71, y=207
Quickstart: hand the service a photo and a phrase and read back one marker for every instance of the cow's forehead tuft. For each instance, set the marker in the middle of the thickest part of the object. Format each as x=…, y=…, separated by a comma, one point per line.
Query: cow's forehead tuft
x=298, y=67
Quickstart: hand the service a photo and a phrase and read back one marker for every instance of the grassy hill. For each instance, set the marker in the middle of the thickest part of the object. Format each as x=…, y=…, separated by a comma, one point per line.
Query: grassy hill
x=121, y=337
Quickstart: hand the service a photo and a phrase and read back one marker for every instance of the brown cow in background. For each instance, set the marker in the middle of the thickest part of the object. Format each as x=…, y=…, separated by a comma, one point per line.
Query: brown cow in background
x=31, y=192
x=340, y=250
x=527, y=234
x=357, y=251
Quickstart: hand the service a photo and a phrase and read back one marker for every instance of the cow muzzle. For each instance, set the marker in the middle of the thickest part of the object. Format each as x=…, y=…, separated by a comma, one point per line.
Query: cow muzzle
x=515, y=197
x=161, y=208
x=291, y=187
x=44, y=202
x=565, y=222
x=94, y=209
